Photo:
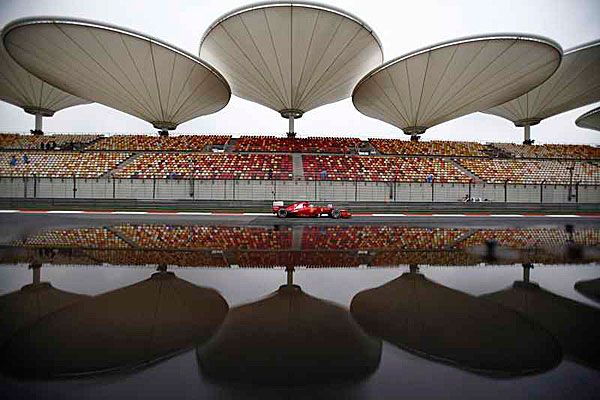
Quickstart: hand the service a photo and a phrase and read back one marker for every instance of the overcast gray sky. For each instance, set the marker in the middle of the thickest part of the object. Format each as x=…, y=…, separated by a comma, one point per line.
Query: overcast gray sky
x=402, y=25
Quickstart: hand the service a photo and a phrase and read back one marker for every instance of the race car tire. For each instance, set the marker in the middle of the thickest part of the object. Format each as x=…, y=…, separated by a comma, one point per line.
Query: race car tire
x=335, y=214
x=282, y=213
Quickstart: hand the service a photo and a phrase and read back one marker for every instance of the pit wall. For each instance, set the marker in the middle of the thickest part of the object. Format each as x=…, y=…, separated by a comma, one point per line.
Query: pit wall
x=334, y=191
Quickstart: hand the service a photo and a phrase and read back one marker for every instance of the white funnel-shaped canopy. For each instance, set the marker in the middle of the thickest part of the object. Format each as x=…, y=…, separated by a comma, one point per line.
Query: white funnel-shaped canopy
x=589, y=120
x=574, y=84
x=122, y=69
x=20, y=88
x=434, y=85
x=290, y=56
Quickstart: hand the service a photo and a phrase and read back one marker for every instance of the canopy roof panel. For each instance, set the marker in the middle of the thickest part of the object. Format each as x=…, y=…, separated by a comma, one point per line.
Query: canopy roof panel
x=436, y=84
x=590, y=120
x=574, y=84
x=122, y=69
x=291, y=55
x=20, y=88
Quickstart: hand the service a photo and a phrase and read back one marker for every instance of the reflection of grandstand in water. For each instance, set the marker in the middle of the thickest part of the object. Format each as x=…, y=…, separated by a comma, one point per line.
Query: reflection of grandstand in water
x=575, y=325
x=303, y=246
x=289, y=338
x=452, y=327
x=126, y=328
x=23, y=308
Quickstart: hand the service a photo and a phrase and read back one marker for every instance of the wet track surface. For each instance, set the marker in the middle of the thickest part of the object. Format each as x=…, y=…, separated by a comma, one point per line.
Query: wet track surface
x=96, y=306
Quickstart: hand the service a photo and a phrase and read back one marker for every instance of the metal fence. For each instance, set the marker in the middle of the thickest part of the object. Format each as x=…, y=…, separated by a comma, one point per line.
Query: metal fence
x=343, y=191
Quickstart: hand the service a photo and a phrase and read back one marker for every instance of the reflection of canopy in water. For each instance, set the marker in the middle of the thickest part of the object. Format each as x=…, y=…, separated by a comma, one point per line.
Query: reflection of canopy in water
x=125, y=328
x=589, y=120
x=289, y=338
x=25, y=307
x=589, y=288
x=434, y=85
x=575, y=325
x=443, y=324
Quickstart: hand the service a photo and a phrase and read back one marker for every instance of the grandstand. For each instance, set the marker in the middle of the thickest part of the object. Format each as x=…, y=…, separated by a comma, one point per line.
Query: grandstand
x=12, y=141
x=161, y=143
x=430, y=148
x=397, y=169
x=59, y=165
x=559, y=151
x=533, y=171
x=208, y=166
x=270, y=158
x=297, y=145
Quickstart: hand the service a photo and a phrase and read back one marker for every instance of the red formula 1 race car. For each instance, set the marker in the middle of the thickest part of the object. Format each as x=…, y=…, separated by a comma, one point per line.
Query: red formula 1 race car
x=305, y=209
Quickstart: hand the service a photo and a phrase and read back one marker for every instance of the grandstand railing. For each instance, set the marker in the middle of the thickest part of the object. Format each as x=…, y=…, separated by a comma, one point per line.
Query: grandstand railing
x=293, y=190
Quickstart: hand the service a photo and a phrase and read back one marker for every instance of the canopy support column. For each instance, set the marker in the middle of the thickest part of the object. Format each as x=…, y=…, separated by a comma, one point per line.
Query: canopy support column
x=291, y=115
x=291, y=132
x=38, y=125
x=527, y=137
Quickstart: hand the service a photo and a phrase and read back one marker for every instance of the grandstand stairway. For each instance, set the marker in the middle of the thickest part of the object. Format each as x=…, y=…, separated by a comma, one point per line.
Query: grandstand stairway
x=88, y=144
x=367, y=146
x=122, y=236
x=496, y=152
x=119, y=167
x=465, y=171
x=461, y=238
x=230, y=145
x=298, y=167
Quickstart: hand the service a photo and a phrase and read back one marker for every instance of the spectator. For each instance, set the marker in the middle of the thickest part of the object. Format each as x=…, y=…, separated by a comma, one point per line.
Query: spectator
x=53, y=145
x=48, y=146
x=13, y=161
x=323, y=174
x=270, y=174
x=42, y=145
x=25, y=159
x=429, y=178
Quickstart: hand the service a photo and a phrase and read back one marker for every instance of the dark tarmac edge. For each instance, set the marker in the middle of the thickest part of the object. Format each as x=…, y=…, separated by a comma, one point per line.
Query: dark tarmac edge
x=265, y=206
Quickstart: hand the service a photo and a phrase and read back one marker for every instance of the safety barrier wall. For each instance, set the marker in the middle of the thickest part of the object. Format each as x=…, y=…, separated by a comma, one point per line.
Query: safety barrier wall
x=347, y=191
